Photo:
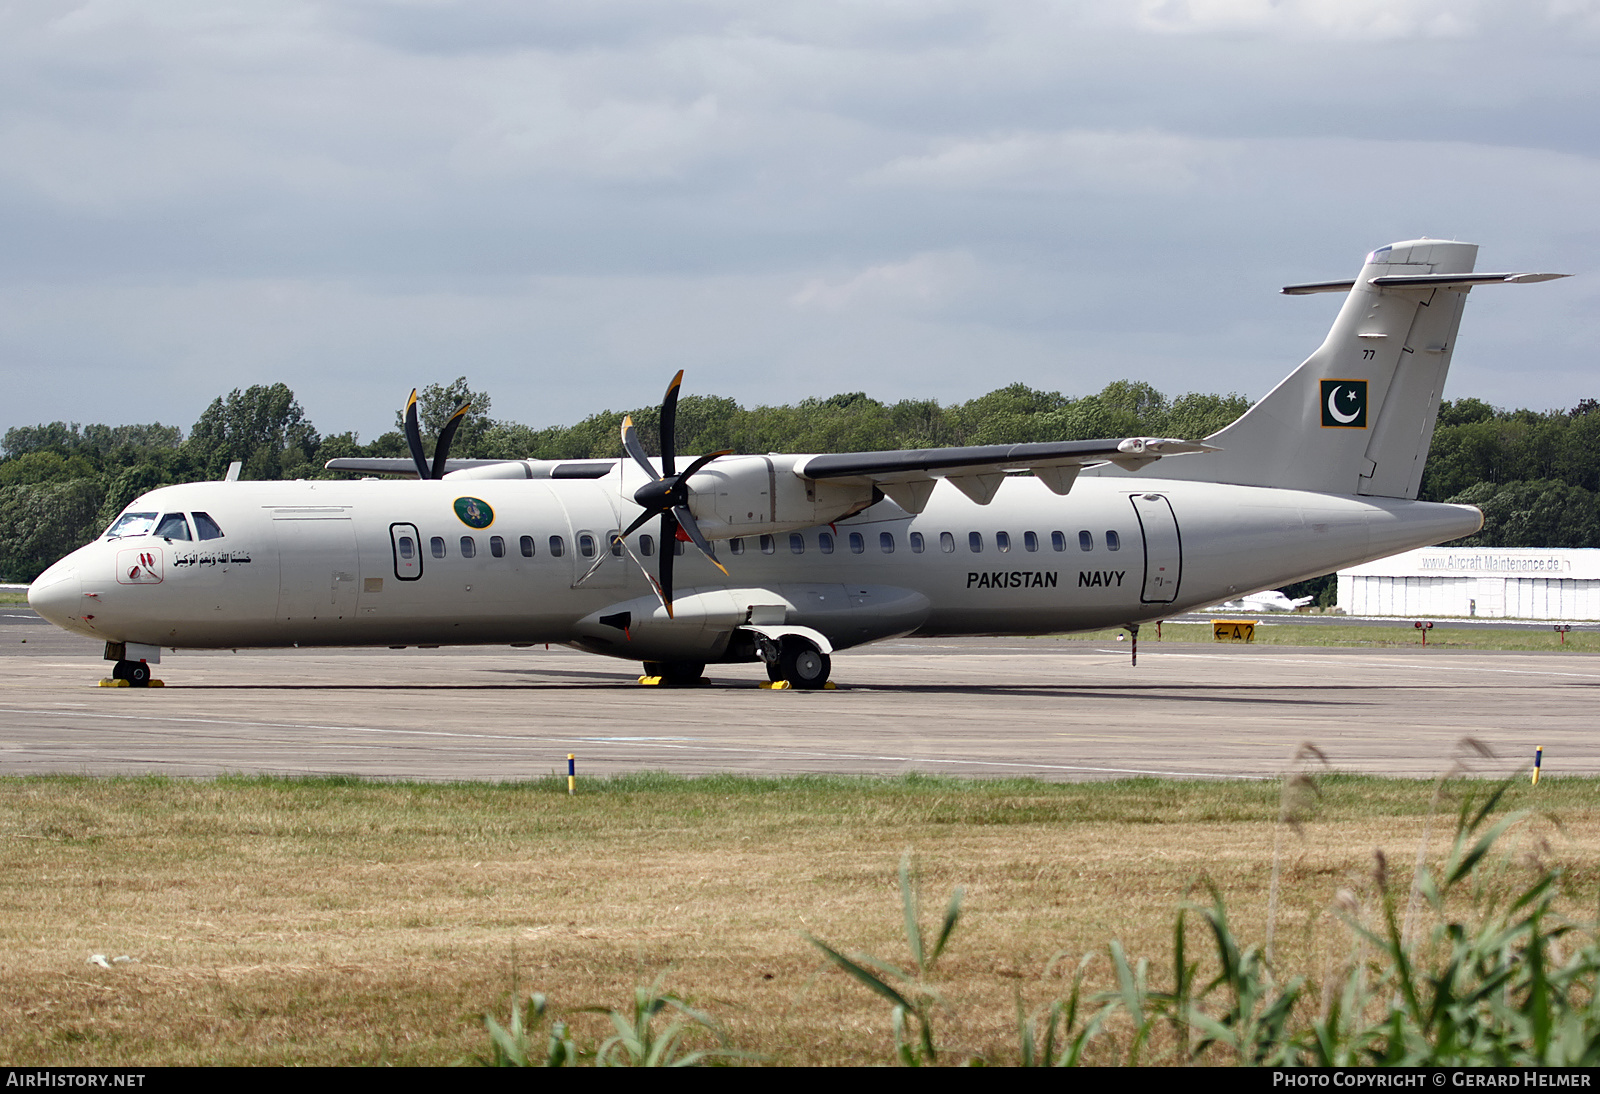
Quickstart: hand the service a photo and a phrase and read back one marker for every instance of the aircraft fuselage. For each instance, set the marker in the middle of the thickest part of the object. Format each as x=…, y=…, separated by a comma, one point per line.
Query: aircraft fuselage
x=442, y=562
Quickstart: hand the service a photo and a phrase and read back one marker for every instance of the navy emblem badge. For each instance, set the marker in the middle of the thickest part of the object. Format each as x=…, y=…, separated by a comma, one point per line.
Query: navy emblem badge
x=474, y=512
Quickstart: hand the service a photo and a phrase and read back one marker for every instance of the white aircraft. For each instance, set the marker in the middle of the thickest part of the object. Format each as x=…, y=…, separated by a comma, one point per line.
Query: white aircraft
x=786, y=559
x=1272, y=601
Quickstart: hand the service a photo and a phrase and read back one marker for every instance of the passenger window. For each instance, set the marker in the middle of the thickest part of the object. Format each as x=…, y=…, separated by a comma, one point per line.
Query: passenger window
x=205, y=527
x=975, y=542
x=526, y=543
x=916, y=543
x=615, y=539
x=768, y=545
x=586, y=545
x=947, y=543
x=558, y=546
x=797, y=543
x=857, y=544
x=437, y=543
x=825, y=542
x=469, y=547
x=886, y=542
x=407, y=548
x=497, y=547
x=1058, y=540
x=1030, y=542
x=1085, y=541
x=647, y=545
x=173, y=526
x=1002, y=541
x=1113, y=541
x=736, y=546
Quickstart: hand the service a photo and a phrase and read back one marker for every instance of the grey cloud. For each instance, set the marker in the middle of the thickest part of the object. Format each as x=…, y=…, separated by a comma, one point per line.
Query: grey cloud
x=566, y=201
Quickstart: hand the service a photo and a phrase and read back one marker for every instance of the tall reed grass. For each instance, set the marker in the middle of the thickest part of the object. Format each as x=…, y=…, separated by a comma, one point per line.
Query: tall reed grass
x=1497, y=976
x=1470, y=962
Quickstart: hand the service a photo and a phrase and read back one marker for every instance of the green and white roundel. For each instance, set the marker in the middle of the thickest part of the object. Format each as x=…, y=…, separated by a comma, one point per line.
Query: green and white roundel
x=474, y=512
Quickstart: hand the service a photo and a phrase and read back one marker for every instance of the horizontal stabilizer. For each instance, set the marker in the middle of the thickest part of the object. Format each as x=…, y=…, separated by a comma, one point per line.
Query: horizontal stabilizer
x=1458, y=281
x=1422, y=281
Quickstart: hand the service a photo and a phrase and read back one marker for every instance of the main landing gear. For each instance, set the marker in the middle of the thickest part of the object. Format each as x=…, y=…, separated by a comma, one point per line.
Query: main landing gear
x=676, y=674
x=136, y=673
x=797, y=661
x=793, y=659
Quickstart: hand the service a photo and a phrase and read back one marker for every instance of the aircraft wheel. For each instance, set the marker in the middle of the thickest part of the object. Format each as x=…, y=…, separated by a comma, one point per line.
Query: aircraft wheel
x=136, y=673
x=803, y=665
x=774, y=671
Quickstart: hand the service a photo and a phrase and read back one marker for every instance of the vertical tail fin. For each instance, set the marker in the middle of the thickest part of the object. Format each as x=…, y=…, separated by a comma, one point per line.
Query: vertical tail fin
x=1357, y=417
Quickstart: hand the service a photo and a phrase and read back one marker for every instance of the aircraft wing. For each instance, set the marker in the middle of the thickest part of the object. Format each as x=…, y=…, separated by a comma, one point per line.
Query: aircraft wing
x=908, y=476
x=405, y=467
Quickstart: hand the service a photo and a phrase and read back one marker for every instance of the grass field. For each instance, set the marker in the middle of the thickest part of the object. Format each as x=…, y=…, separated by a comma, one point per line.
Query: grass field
x=333, y=921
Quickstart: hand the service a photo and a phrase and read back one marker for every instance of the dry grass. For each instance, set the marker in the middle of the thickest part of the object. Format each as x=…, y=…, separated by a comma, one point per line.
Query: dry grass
x=340, y=922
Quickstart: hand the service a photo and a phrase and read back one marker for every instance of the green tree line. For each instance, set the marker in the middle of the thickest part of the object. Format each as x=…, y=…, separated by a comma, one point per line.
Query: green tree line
x=1536, y=475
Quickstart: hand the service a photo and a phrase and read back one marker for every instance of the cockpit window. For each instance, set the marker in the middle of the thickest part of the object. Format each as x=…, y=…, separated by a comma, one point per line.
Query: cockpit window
x=206, y=527
x=173, y=526
x=132, y=524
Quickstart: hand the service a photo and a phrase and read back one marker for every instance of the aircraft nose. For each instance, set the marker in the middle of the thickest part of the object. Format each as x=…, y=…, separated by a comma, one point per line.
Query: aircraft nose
x=57, y=593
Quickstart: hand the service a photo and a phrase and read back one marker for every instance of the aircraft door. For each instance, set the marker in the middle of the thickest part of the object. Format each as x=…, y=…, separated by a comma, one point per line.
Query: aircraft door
x=316, y=566
x=407, y=545
x=1163, y=548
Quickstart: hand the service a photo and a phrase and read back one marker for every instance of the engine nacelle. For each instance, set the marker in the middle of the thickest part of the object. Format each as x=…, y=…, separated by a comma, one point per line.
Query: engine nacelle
x=755, y=495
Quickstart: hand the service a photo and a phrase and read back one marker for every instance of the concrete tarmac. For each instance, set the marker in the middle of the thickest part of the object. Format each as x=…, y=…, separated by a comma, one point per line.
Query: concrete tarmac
x=1046, y=708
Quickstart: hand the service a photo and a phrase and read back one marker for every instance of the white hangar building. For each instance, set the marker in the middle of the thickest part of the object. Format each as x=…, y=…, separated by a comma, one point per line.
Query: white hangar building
x=1493, y=582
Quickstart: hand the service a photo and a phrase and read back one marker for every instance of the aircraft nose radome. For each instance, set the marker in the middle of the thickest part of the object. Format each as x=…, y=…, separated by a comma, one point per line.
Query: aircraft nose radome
x=56, y=593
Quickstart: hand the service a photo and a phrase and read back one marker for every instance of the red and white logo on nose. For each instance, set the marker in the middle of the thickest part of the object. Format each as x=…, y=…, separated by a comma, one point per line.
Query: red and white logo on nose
x=139, y=567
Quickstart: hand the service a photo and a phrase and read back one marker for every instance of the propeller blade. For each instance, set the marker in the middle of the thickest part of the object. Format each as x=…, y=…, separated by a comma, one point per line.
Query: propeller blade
x=621, y=538
x=414, y=437
x=694, y=468
x=669, y=427
x=600, y=558
x=630, y=441
x=669, y=551
x=686, y=519
x=441, y=451
x=654, y=584
x=636, y=525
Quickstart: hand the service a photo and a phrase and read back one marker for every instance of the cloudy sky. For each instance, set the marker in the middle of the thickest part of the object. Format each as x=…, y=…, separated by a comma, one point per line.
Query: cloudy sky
x=568, y=201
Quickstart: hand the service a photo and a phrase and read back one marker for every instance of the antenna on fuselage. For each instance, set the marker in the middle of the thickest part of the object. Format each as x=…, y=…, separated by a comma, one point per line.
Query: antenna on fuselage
x=233, y=471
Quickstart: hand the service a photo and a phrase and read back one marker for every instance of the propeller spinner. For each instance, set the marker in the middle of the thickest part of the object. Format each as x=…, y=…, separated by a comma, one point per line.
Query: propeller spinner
x=666, y=496
x=441, y=450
